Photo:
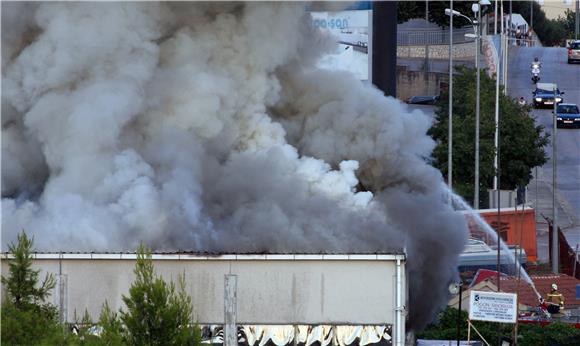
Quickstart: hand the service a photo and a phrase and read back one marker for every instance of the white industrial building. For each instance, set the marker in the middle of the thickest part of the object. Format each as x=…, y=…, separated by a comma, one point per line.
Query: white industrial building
x=330, y=298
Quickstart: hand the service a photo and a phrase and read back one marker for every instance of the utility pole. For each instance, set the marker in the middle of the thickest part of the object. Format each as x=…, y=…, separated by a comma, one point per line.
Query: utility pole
x=496, y=165
x=426, y=45
x=555, y=247
x=477, y=43
x=496, y=161
x=505, y=52
x=510, y=26
x=577, y=31
x=495, y=16
x=496, y=137
x=532, y=14
x=497, y=177
x=450, y=124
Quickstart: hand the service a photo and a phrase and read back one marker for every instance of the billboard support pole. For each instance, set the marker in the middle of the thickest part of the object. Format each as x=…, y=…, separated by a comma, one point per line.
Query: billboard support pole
x=468, y=332
x=475, y=329
x=384, y=39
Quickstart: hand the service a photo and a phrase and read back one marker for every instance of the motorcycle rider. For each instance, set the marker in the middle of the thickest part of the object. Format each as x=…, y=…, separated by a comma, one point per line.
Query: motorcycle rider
x=522, y=101
x=535, y=69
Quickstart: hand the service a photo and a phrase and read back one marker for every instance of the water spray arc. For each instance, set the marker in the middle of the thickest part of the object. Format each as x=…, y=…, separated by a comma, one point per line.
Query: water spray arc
x=460, y=204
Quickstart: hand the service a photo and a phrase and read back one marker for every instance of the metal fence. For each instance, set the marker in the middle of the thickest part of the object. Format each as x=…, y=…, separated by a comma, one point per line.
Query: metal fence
x=432, y=37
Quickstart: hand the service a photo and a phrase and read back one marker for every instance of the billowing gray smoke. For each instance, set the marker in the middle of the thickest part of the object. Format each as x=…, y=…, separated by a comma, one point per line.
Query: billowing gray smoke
x=207, y=127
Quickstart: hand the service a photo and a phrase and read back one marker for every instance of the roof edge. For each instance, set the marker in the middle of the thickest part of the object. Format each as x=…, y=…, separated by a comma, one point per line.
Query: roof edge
x=221, y=257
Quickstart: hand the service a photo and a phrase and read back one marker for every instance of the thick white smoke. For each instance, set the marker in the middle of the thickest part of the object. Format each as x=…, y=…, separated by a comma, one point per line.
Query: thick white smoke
x=206, y=127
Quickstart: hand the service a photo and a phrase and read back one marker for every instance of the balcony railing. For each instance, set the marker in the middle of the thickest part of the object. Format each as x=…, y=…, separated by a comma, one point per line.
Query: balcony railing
x=432, y=37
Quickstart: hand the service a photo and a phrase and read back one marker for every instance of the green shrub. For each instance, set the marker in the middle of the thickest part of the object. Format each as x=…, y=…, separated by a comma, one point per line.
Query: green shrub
x=26, y=318
x=156, y=312
x=555, y=334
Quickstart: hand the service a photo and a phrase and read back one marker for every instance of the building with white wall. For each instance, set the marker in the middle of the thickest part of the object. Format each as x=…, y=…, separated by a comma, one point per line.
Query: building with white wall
x=247, y=290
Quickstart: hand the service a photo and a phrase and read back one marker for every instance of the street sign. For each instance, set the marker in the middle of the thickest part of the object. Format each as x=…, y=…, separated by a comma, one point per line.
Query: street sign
x=577, y=291
x=493, y=306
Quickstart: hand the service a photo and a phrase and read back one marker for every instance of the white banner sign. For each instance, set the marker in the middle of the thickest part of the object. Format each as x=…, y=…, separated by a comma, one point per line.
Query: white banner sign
x=491, y=56
x=493, y=307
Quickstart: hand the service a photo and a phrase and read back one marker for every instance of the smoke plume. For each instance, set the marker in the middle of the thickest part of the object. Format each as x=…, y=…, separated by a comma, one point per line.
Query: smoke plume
x=207, y=127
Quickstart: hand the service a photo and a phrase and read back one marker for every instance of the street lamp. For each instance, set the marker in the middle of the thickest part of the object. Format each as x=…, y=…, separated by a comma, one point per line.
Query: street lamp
x=450, y=115
x=451, y=12
x=476, y=8
x=555, y=245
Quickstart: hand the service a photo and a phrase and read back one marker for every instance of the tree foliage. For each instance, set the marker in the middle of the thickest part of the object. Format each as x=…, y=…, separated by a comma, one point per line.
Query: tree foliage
x=416, y=9
x=445, y=328
x=22, y=284
x=522, y=142
x=560, y=334
x=156, y=312
x=568, y=22
x=551, y=32
x=112, y=329
x=34, y=325
x=26, y=318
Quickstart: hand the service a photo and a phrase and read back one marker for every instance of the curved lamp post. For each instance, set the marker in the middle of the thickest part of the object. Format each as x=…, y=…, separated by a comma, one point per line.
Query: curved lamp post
x=476, y=8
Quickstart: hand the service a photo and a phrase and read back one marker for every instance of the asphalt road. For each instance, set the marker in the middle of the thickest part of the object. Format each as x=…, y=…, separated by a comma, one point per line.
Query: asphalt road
x=567, y=77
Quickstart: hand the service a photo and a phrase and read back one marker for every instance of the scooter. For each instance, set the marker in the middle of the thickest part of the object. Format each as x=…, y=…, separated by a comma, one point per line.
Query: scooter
x=535, y=73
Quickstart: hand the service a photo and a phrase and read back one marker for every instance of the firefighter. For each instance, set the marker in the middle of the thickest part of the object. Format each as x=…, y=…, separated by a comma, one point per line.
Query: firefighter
x=555, y=298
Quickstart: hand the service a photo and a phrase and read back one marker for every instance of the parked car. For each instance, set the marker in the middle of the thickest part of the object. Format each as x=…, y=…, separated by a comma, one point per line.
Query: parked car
x=423, y=100
x=544, y=95
x=567, y=115
x=573, y=52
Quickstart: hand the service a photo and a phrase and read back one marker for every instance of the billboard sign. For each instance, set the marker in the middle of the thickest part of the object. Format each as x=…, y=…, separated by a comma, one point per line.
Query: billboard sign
x=351, y=28
x=493, y=307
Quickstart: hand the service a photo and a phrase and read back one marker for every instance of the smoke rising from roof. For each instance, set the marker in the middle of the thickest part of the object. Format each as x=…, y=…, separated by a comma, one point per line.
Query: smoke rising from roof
x=207, y=127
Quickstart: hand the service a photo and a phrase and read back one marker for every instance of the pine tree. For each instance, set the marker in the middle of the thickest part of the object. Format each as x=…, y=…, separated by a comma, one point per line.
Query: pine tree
x=156, y=313
x=26, y=318
x=21, y=284
x=112, y=329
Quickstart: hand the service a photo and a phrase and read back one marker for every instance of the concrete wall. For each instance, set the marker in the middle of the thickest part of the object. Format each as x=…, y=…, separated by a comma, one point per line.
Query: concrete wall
x=462, y=51
x=412, y=80
x=416, y=83
x=271, y=289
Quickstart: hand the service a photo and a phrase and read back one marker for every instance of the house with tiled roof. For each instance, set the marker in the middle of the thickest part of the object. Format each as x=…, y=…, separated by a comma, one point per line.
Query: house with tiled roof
x=528, y=300
x=527, y=296
x=482, y=286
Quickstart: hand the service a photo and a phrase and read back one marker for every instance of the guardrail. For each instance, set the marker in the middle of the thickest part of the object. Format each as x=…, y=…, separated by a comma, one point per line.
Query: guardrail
x=432, y=37
x=524, y=42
